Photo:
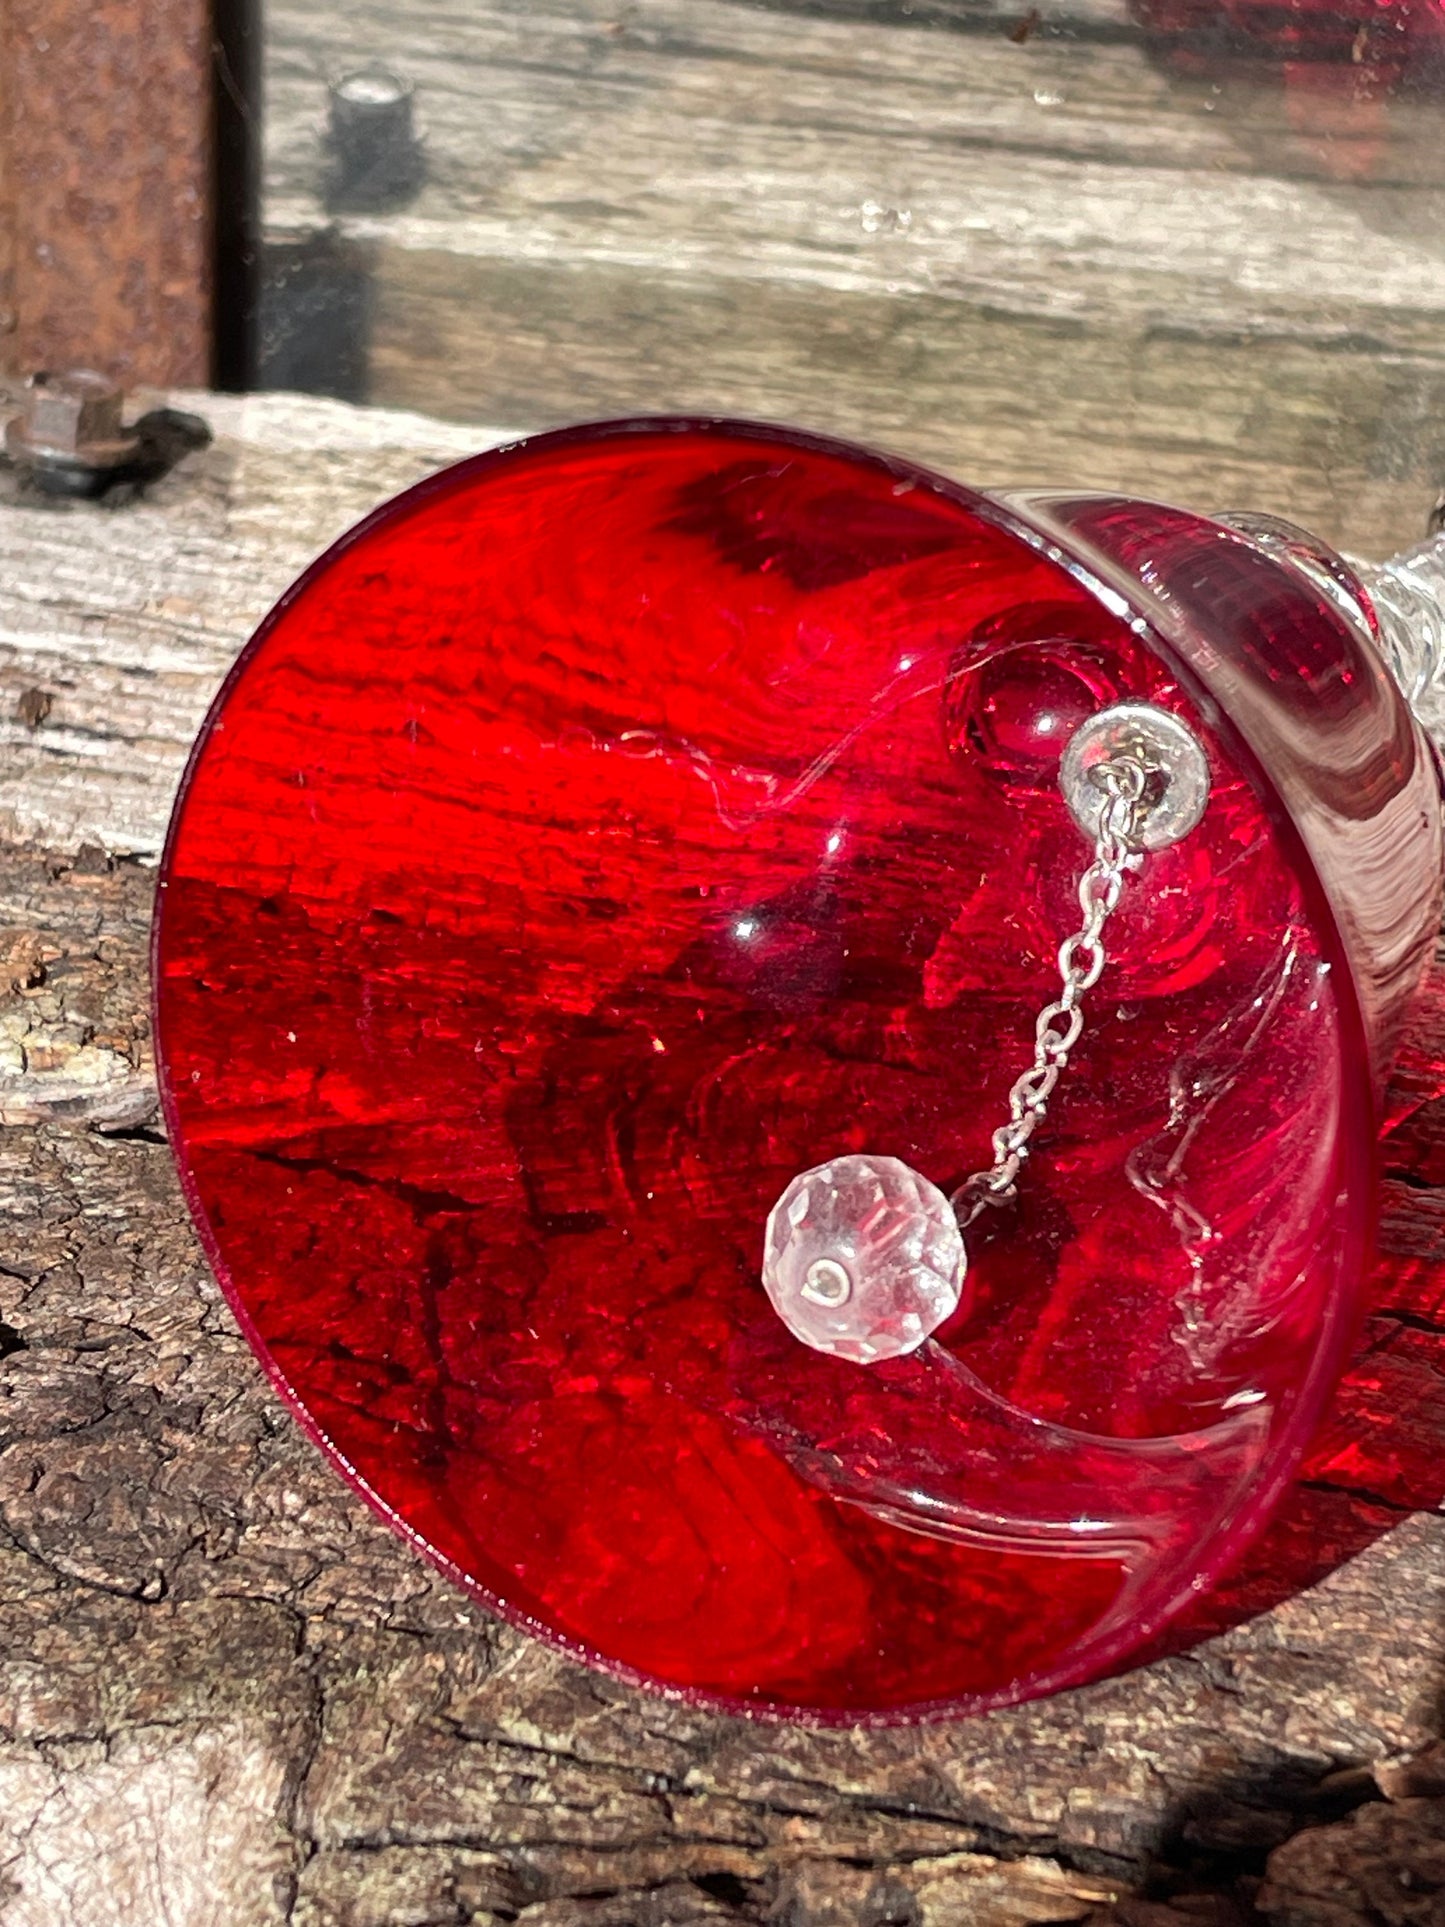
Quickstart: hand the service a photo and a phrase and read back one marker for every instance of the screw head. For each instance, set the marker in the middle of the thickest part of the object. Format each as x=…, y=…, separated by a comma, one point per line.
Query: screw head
x=368, y=93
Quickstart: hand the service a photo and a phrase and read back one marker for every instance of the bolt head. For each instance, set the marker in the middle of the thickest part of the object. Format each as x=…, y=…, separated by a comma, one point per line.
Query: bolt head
x=73, y=411
x=71, y=434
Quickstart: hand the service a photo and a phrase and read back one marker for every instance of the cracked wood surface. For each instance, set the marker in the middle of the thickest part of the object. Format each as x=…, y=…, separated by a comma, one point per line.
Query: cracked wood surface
x=230, y=1697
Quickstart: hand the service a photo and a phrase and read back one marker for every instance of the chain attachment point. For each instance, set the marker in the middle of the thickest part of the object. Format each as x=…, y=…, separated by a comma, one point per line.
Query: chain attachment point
x=1128, y=792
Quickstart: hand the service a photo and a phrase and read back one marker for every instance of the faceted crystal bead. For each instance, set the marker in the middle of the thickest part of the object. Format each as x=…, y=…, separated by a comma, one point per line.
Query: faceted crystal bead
x=863, y=1258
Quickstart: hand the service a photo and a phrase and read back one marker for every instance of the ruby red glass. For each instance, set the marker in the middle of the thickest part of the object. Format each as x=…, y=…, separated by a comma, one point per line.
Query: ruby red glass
x=617, y=825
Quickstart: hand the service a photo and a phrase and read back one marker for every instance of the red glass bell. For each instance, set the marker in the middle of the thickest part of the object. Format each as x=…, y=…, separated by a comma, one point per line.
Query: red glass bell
x=618, y=825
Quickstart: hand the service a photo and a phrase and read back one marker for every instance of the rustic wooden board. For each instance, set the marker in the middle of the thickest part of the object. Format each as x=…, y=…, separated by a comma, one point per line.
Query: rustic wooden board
x=1042, y=260
x=229, y=1697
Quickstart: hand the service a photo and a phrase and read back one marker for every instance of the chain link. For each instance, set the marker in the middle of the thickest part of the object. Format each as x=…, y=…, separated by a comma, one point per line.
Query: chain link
x=1081, y=964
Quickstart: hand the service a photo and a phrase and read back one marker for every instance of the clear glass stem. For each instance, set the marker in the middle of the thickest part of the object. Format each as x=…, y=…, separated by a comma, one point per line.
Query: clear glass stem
x=1408, y=592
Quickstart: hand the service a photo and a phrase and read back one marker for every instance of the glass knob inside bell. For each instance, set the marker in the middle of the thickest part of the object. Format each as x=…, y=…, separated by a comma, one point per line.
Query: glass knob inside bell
x=863, y=1258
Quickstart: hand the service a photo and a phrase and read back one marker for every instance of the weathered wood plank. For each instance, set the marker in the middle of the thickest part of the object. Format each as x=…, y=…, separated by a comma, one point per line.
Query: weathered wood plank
x=1037, y=261
x=124, y=620
x=117, y=625
x=1348, y=442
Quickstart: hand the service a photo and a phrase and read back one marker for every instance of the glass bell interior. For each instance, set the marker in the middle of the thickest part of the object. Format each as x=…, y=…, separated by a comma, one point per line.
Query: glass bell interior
x=619, y=825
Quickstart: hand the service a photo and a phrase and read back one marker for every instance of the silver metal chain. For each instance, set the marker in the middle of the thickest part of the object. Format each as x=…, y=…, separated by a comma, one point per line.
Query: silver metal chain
x=1060, y=1024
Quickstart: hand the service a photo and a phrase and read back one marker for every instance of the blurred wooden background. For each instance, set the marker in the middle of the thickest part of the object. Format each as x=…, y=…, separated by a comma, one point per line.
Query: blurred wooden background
x=1026, y=245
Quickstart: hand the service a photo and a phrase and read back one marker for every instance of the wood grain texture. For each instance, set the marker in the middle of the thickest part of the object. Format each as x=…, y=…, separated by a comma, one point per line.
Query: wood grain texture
x=124, y=620
x=1048, y=261
x=230, y=1697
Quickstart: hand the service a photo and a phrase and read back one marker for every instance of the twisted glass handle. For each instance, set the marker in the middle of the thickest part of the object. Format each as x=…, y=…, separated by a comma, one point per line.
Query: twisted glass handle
x=1408, y=592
